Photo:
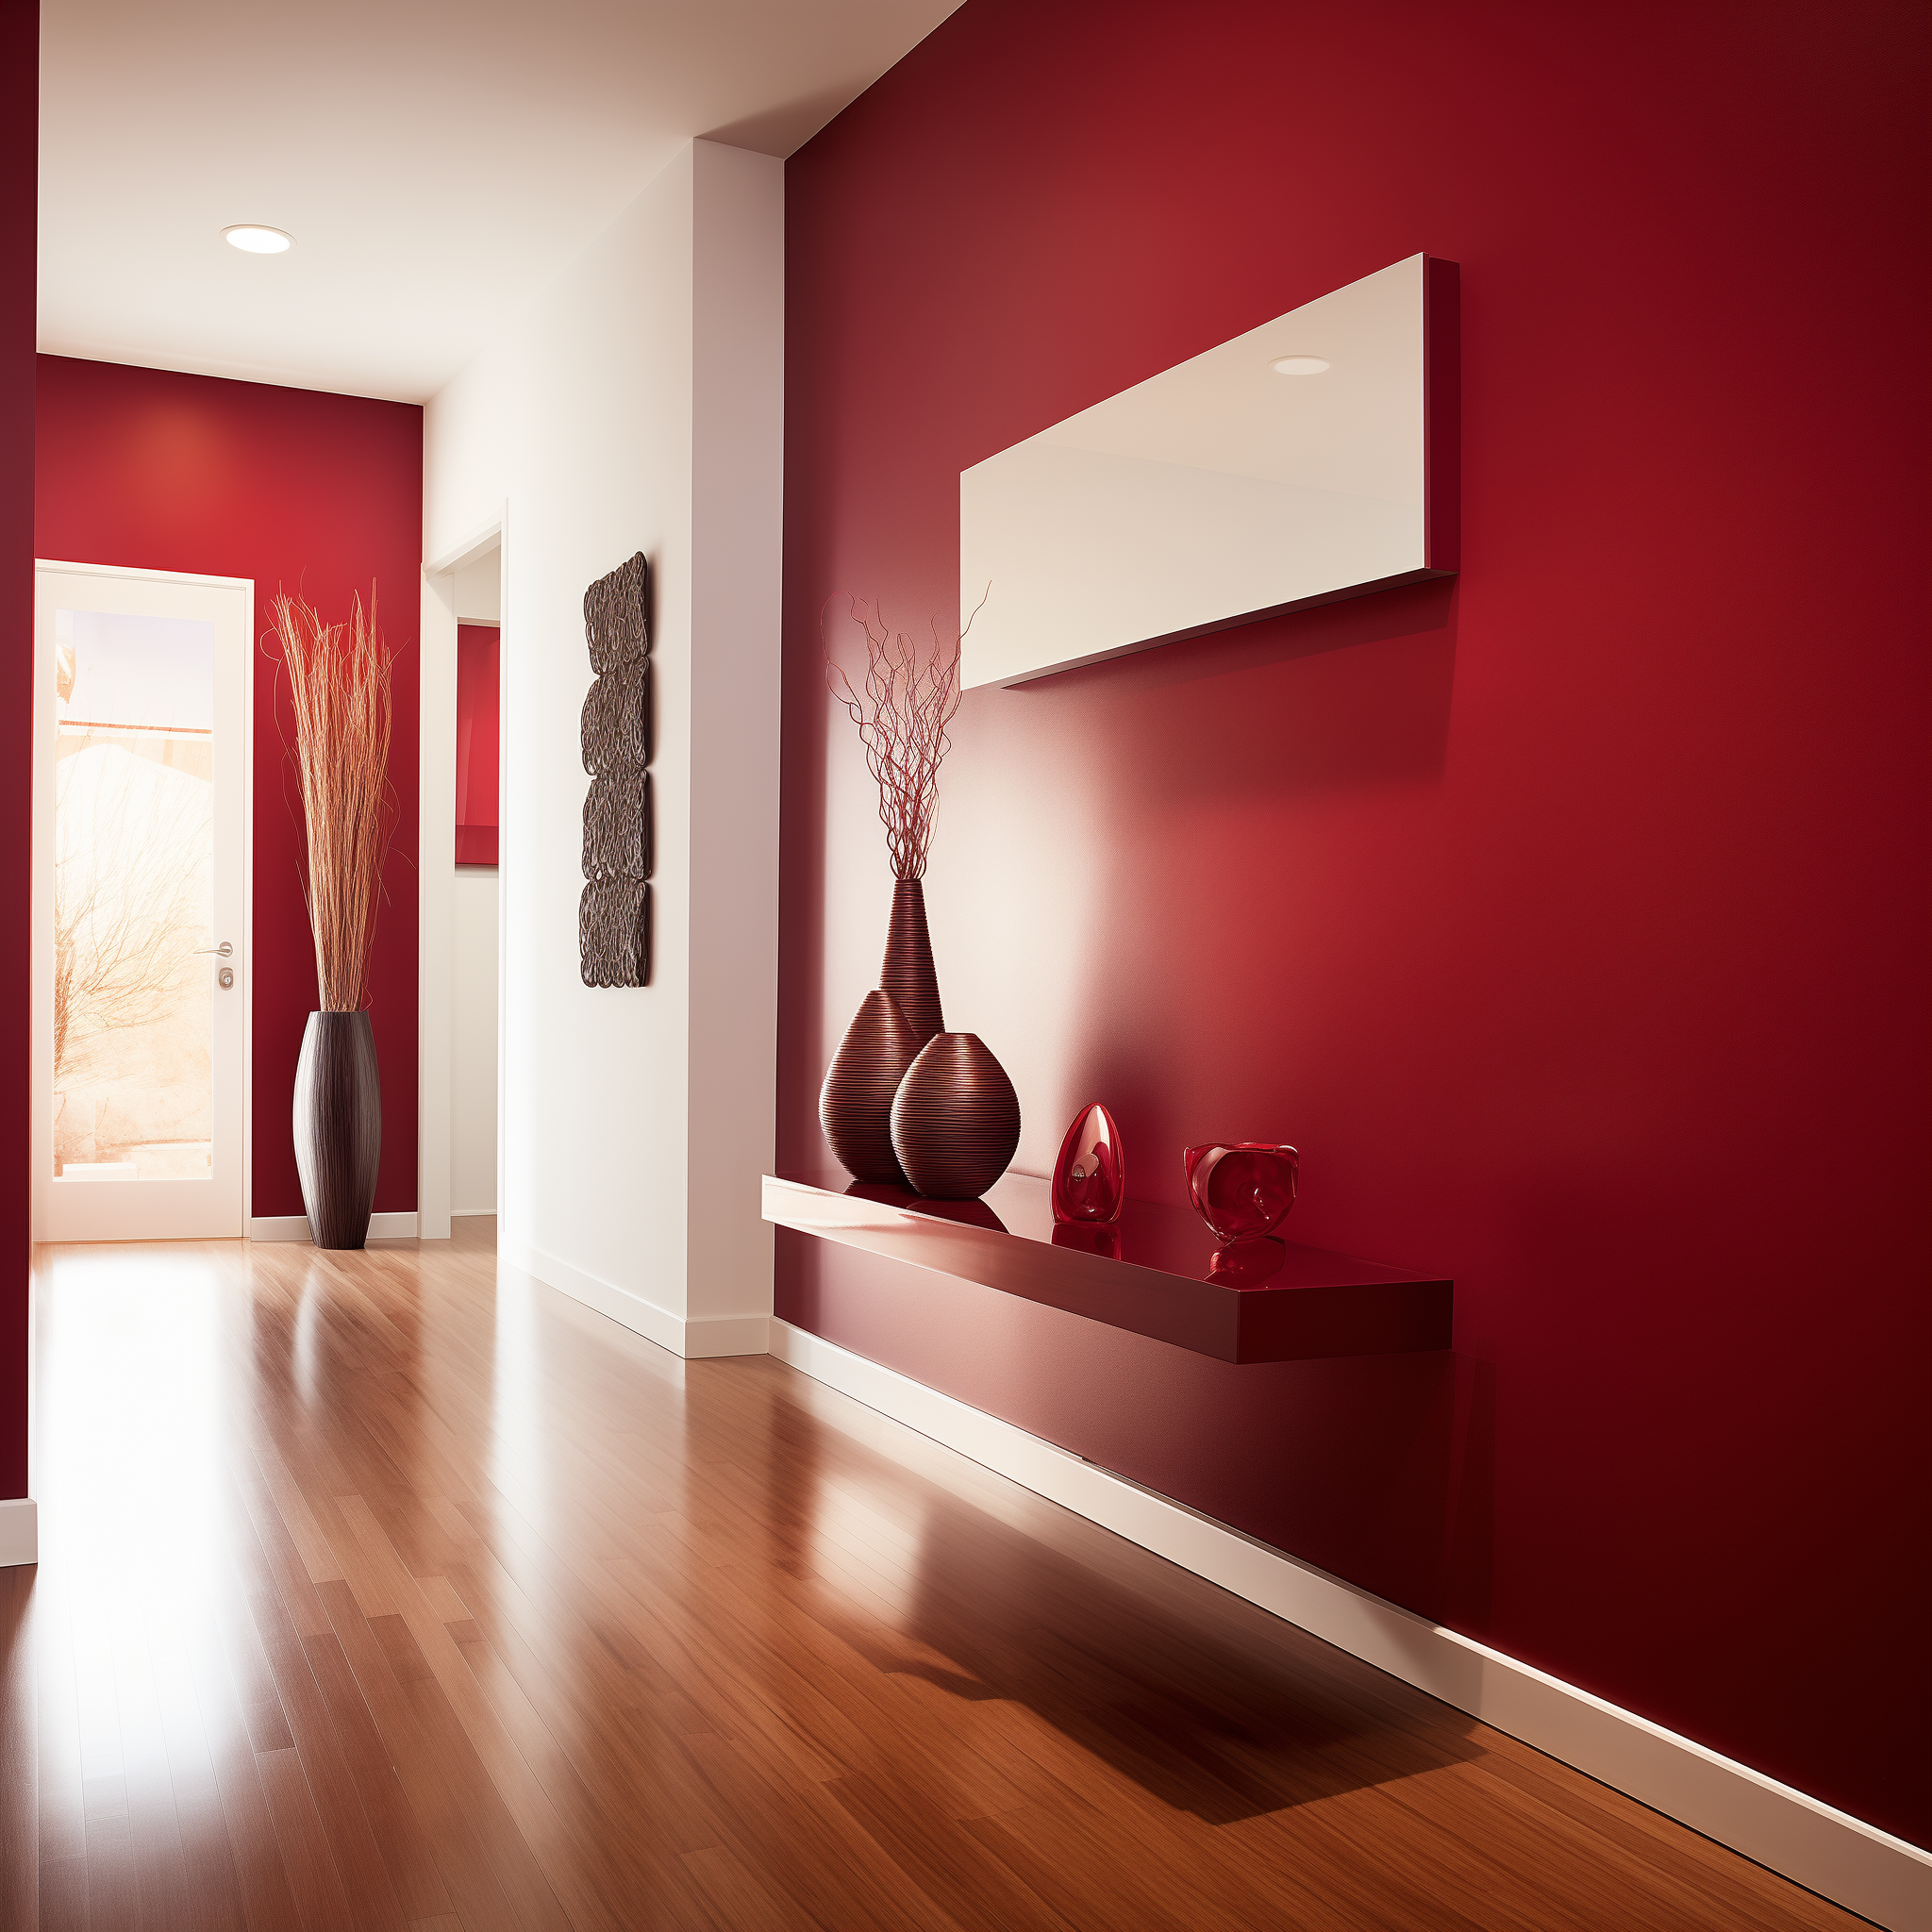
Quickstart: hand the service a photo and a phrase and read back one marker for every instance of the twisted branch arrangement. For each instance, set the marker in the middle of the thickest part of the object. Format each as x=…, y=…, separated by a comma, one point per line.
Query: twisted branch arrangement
x=339, y=681
x=909, y=697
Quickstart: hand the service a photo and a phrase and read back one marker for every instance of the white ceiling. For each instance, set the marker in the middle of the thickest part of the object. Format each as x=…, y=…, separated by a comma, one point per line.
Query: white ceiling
x=435, y=161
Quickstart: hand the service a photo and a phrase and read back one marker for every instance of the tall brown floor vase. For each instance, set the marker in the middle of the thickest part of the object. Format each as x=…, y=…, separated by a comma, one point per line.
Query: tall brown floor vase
x=338, y=1127
x=907, y=974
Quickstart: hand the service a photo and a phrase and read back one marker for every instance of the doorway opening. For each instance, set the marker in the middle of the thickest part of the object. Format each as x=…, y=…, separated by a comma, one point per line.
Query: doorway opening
x=477, y=898
x=140, y=890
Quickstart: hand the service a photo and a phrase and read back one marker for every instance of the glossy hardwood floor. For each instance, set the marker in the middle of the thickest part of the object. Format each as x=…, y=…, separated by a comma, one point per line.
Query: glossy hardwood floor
x=394, y=1589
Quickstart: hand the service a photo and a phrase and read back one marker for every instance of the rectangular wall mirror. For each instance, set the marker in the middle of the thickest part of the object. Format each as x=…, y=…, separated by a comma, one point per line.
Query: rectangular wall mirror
x=1311, y=459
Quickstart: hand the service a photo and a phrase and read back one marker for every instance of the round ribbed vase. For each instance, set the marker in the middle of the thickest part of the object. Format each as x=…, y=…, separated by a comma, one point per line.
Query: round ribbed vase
x=907, y=974
x=338, y=1126
x=956, y=1119
x=855, y=1101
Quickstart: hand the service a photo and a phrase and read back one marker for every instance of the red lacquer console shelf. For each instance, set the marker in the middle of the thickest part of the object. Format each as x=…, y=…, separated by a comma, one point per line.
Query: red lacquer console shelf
x=1317, y=1305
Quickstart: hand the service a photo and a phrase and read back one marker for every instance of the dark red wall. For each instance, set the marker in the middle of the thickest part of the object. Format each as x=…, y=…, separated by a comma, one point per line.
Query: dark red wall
x=20, y=164
x=1571, y=918
x=320, y=494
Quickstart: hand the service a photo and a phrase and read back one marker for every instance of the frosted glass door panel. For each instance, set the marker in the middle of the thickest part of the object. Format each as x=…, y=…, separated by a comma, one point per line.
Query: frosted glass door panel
x=140, y=886
x=133, y=897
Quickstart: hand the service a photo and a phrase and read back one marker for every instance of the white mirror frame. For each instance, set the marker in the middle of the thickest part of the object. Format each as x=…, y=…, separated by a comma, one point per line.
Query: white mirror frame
x=1220, y=492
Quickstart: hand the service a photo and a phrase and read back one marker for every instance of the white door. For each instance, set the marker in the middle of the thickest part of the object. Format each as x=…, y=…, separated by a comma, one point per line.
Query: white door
x=141, y=684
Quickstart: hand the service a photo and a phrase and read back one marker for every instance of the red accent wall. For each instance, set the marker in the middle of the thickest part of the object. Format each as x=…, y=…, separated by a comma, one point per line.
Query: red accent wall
x=478, y=733
x=1571, y=916
x=20, y=166
x=297, y=489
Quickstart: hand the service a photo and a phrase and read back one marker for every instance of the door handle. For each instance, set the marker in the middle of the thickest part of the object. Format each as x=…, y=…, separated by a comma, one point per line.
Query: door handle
x=223, y=950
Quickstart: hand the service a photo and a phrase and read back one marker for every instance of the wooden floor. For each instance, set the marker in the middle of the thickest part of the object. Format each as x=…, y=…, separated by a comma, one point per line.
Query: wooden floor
x=390, y=1590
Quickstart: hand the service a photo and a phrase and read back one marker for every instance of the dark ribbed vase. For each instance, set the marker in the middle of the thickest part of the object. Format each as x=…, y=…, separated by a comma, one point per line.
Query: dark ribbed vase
x=338, y=1127
x=855, y=1101
x=956, y=1119
x=907, y=974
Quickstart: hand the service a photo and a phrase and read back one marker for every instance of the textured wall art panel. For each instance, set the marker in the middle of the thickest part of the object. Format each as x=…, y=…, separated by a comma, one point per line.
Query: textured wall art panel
x=617, y=616
x=614, y=912
x=614, y=932
x=617, y=720
x=617, y=827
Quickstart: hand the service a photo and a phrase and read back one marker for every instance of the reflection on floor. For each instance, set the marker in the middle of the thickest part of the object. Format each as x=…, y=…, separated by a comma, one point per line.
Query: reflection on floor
x=394, y=1589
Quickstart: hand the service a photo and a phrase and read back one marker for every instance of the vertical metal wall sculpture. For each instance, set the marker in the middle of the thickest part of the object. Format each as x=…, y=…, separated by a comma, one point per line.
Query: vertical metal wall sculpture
x=614, y=914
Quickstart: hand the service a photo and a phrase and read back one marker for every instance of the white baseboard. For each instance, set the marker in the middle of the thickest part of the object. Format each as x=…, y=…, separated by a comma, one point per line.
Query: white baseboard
x=1828, y=1851
x=20, y=1531
x=465, y=1213
x=294, y=1227
x=707, y=1336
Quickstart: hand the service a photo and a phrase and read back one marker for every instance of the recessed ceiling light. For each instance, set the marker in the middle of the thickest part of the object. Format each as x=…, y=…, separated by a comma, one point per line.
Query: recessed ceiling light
x=259, y=241
x=1299, y=365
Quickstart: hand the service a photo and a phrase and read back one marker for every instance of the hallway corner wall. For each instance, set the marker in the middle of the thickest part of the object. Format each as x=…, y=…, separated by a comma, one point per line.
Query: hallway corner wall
x=636, y=403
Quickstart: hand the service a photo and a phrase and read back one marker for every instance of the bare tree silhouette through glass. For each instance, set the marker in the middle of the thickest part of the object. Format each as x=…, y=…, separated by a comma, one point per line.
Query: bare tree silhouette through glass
x=127, y=898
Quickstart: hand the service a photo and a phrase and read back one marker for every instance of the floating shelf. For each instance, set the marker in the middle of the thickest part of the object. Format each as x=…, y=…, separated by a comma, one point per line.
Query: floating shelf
x=1314, y=1306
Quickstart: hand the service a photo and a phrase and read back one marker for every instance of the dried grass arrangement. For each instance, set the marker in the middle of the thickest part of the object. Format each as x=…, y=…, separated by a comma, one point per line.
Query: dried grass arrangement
x=910, y=694
x=340, y=688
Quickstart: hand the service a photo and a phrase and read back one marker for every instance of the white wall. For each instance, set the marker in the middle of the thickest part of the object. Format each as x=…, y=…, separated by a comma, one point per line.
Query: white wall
x=480, y=588
x=637, y=404
x=473, y=1042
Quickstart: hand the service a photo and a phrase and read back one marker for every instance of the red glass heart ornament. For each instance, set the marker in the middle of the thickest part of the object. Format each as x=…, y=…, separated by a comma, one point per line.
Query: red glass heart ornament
x=1089, y=1179
x=1242, y=1188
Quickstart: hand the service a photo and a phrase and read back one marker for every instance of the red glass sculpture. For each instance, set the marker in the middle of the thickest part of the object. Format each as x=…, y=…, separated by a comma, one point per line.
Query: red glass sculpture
x=1244, y=1189
x=1089, y=1179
